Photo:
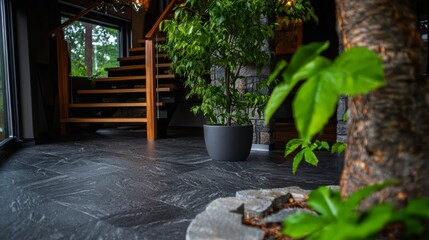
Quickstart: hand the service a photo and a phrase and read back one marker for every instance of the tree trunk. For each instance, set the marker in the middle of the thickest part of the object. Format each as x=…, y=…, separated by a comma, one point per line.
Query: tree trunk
x=88, y=49
x=388, y=129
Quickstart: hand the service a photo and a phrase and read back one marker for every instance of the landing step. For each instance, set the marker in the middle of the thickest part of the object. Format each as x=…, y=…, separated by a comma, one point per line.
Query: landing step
x=93, y=105
x=123, y=90
x=104, y=120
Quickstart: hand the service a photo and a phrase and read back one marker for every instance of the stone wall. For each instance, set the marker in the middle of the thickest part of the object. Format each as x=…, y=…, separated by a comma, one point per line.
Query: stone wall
x=341, y=125
x=250, y=76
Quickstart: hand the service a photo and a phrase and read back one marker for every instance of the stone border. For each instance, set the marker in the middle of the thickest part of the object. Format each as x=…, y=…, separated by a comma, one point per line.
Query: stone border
x=223, y=217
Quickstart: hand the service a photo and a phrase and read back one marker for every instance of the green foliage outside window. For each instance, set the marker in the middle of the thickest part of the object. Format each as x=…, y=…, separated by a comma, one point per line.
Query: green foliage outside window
x=105, y=48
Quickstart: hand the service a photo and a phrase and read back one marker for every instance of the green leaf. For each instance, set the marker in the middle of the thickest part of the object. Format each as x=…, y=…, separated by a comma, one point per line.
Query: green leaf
x=326, y=202
x=364, y=70
x=324, y=145
x=341, y=230
x=338, y=147
x=310, y=69
x=296, y=160
x=277, y=97
x=303, y=56
x=413, y=225
x=302, y=224
x=375, y=220
x=345, y=116
x=314, y=104
x=418, y=207
x=355, y=198
x=292, y=145
x=279, y=68
x=304, y=64
x=310, y=157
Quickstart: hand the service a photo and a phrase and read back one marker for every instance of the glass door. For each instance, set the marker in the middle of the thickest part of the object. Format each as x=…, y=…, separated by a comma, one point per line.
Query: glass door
x=5, y=96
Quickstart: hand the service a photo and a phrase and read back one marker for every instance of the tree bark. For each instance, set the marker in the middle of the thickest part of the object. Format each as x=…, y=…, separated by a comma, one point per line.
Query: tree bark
x=88, y=49
x=388, y=129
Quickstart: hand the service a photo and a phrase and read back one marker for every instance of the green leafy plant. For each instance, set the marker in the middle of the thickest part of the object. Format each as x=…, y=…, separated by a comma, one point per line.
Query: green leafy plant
x=338, y=219
x=291, y=10
x=224, y=34
x=307, y=151
x=355, y=71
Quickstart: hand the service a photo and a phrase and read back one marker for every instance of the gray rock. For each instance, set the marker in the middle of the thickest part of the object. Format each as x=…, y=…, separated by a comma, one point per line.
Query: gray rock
x=297, y=193
x=257, y=208
x=229, y=204
x=275, y=197
x=223, y=217
x=283, y=214
x=221, y=225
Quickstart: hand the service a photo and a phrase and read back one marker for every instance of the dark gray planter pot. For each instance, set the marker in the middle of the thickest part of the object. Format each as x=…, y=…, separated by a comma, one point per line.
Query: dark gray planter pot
x=228, y=143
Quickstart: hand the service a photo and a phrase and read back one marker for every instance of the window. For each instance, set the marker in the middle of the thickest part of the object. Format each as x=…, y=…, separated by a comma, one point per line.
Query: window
x=93, y=47
x=7, y=118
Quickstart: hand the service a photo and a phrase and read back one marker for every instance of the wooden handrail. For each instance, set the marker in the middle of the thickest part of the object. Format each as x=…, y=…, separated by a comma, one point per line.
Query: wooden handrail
x=164, y=15
x=151, y=100
x=73, y=19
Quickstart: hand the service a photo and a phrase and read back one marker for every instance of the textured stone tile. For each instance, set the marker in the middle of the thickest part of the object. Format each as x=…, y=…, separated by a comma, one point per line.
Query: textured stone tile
x=116, y=185
x=14, y=199
x=188, y=197
x=28, y=175
x=79, y=168
x=98, y=229
x=99, y=196
x=174, y=229
x=47, y=221
x=149, y=214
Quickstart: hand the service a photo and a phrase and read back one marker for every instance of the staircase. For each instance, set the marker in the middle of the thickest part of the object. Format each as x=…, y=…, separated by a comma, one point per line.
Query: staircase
x=122, y=97
x=142, y=90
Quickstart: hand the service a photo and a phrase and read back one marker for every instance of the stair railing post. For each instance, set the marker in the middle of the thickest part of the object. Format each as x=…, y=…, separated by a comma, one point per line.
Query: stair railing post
x=151, y=115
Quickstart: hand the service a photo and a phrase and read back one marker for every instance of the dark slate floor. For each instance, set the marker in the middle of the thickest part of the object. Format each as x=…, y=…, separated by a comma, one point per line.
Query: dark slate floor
x=116, y=185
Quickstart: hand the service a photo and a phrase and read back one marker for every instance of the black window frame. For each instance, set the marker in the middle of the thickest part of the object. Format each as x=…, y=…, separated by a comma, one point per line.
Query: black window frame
x=103, y=19
x=11, y=142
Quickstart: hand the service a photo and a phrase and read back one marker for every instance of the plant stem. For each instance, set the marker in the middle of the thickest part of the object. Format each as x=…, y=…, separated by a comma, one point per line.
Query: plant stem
x=228, y=95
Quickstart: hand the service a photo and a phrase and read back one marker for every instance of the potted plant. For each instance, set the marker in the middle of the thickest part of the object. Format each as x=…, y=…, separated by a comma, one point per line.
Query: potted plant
x=225, y=35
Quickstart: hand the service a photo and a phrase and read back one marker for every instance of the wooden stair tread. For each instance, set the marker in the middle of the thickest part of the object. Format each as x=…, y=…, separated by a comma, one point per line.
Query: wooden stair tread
x=123, y=90
x=136, y=49
x=139, y=57
x=104, y=120
x=131, y=78
x=91, y=105
x=124, y=68
x=122, y=78
x=159, y=39
x=163, y=65
x=165, y=76
x=132, y=58
x=136, y=67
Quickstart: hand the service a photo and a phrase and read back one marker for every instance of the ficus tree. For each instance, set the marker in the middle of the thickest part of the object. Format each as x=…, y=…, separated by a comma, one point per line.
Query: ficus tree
x=228, y=35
